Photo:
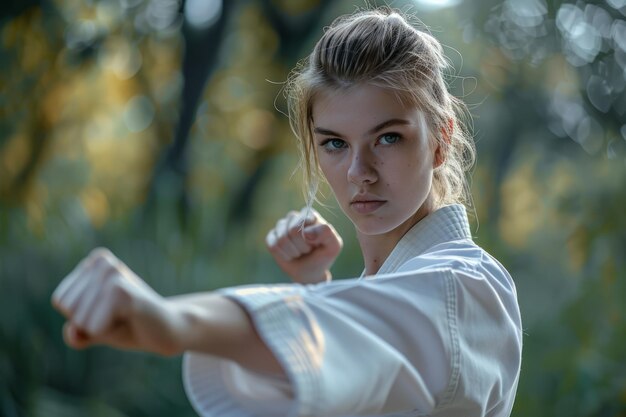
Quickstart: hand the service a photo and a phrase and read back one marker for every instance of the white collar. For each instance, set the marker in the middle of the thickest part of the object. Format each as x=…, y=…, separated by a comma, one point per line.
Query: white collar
x=443, y=225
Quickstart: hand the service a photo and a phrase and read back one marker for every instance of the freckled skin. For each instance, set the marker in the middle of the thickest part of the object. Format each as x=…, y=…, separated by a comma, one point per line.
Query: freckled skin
x=399, y=173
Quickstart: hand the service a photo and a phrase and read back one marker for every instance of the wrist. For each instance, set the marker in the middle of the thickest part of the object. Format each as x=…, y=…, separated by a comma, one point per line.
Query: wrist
x=161, y=323
x=138, y=317
x=316, y=278
x=195, y=324
x=182, y=319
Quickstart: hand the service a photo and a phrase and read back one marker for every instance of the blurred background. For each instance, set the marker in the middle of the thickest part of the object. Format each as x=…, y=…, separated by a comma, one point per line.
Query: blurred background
x=154, y=127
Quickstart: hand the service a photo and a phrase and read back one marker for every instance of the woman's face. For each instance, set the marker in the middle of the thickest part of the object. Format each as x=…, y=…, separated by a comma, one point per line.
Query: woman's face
x=376, y=155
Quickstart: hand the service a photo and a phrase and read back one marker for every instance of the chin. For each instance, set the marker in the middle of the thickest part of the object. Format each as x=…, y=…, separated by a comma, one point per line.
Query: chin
x=380, y=224
x=374, y=226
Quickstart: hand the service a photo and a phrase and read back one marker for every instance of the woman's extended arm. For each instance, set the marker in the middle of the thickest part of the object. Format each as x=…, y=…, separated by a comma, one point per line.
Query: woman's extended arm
x=105, y=303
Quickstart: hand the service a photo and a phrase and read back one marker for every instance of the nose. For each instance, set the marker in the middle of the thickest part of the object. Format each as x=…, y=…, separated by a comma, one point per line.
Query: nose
x=362, y=169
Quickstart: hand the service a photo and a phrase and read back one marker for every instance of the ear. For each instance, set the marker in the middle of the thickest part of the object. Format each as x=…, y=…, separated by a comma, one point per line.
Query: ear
x=442, y=146
x=439, y=157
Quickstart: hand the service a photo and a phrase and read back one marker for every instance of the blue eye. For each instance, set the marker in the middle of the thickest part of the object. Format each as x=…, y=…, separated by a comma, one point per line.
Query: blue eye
x=389, y=138
x=333, y=144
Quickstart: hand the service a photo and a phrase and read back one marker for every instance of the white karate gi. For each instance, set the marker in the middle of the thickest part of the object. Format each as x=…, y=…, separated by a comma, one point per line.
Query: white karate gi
x=437, y=332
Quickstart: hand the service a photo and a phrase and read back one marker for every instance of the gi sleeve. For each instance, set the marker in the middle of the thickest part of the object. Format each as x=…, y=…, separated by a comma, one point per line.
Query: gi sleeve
x=351, y=347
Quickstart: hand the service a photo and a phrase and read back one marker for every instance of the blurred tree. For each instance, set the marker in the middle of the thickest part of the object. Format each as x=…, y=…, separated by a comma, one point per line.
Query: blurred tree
x=202, y=47
x=563, y=61
x=292, y=22
x=202, y=42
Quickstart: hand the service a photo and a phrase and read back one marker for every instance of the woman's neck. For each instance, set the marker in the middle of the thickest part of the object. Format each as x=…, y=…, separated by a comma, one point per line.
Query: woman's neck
x=377, y=248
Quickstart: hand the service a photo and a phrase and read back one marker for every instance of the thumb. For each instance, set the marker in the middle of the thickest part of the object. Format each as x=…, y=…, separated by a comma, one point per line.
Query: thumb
x=320, y=234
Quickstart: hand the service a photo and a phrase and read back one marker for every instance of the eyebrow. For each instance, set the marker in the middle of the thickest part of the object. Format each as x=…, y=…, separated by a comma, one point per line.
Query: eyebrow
x=378, y=127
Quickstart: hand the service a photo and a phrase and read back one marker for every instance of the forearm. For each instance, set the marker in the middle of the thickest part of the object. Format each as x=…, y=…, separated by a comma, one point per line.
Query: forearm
x=214, y=324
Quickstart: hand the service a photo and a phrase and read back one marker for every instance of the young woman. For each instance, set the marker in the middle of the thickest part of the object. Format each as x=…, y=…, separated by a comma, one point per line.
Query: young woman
x=431, y=328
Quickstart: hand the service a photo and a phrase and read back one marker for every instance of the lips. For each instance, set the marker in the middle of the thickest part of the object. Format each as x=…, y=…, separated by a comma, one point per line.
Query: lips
x=366, y=204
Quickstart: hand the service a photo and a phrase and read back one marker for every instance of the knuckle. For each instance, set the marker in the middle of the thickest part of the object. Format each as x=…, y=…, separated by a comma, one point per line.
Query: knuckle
x=295, y=229
x=283, y=239
x=56, y=299
x=68, y=309
x=271, y=244
x=98, y=264
x=280, y=241
x=119, y=292
x=271, y=236
x=108, y=271
x=309, y=215
x=100, y=253
x=99, y=258
x=62, y=307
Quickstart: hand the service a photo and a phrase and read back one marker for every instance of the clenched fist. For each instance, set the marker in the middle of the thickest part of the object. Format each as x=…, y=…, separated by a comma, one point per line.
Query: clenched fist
x=305, y=246
x=104, y=302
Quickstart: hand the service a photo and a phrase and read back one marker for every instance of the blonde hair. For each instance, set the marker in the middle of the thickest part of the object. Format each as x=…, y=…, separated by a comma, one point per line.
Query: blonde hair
x=381, y=48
